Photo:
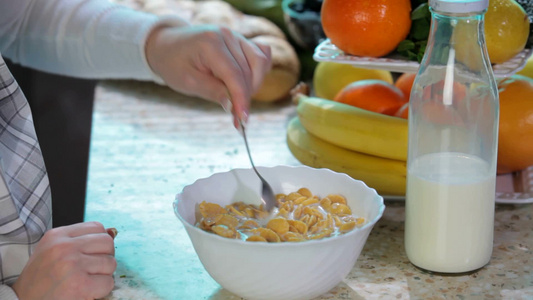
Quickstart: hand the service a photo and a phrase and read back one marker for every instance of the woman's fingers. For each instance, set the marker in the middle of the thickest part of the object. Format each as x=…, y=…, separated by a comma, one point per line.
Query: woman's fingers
x=70, y=262
x=210, y=62
x=267, y=51
x=80, y=229
x=96, y=243
x=99, y=264
x=235, y=84
x=234, y=43
x=98, y=286
x=254, y=61
x=259, y=58
x=245, y=77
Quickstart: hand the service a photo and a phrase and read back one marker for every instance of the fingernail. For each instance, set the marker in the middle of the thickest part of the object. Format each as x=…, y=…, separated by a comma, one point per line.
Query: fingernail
x=244, y=116
x=112, y=232
x=242, y=121
x=239, y=125
x=227, y=105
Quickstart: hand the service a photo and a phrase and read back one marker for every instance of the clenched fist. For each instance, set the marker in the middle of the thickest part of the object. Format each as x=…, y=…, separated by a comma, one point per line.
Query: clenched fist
x=69, y=263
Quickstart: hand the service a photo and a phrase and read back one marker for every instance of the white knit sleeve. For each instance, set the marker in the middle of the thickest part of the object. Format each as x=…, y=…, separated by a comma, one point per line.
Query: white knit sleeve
x=7, y=293
x=80, y=38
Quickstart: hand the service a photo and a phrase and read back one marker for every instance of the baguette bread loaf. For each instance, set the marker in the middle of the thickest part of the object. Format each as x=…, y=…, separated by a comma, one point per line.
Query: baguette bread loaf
x=285, y=71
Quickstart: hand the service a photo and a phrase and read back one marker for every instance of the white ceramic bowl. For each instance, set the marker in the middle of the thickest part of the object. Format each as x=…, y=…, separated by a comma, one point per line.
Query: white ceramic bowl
x=257, y=270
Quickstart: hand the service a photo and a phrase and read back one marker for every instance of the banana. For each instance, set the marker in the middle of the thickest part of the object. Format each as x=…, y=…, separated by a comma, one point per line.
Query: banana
x=387, y=176
x=354, y=128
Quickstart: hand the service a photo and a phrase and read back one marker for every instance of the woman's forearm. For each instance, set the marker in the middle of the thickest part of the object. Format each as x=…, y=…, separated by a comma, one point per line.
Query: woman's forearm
x=80, y=38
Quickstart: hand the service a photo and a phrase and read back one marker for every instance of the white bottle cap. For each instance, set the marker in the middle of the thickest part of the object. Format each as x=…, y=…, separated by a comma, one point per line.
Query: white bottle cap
x=459, y=6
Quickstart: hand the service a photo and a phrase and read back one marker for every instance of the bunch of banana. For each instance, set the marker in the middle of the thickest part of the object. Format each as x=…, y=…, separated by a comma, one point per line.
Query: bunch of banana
x=367, y=146
x=354, y=128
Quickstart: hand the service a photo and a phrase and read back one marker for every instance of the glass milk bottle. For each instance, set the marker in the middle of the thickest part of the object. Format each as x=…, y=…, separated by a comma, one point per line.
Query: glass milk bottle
x=453, y=130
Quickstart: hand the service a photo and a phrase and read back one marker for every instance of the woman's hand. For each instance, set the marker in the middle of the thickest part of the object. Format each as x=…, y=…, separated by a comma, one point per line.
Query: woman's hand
x=209, y=62
x=71, y=262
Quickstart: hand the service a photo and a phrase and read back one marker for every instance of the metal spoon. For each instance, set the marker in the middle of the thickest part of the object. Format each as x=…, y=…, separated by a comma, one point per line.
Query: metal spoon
x=267, y=195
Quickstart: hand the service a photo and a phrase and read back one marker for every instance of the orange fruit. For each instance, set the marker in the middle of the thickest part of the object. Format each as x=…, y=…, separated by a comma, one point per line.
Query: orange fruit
x=435, y=91
x=438, y=113
x=374, y=95
x=515, y=139
x=403, y=111
x=405, y=83
x=366, y=27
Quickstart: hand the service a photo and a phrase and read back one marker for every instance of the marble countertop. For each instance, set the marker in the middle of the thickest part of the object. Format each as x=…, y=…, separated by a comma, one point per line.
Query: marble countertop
x=149, y=142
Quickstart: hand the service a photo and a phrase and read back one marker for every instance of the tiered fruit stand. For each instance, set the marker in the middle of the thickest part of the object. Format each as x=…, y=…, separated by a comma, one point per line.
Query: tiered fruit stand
x=515, y=188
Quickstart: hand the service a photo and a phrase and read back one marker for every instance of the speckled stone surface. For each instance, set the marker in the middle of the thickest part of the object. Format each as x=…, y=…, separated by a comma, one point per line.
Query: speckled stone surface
x=149, y=142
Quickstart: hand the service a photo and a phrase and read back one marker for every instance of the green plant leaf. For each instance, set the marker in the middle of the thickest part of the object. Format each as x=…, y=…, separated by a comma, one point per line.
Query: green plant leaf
x=421, y=12
x=420, y=29
x=405, y=45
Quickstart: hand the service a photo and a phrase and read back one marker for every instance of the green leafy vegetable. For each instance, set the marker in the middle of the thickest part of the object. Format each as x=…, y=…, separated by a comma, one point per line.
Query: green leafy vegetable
x=414, y=46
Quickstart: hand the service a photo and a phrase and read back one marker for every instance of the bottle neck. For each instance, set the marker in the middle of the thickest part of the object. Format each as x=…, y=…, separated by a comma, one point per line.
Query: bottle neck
x=456, y=15
x=443, y=25
x=462, y=32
